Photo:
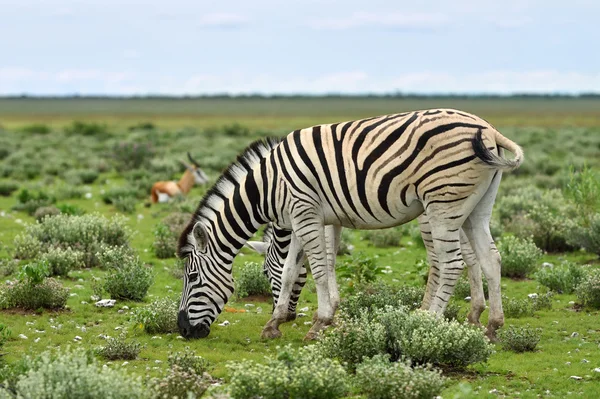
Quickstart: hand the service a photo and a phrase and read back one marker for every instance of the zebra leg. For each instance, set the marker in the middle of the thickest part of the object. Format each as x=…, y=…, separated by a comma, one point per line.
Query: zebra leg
x=291, y=271
x=297, y=290
x=475, y=281
x=477, y=229
x=333, y=238
x=434, y=271
x=312, y=236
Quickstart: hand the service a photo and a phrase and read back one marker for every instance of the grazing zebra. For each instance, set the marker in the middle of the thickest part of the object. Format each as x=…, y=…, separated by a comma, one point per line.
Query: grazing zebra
x=367, y=174
x=275, y=247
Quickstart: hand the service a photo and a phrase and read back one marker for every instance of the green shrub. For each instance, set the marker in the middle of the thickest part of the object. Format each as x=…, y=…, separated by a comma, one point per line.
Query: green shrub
x=30, y=201
x=519, y=256
x=516, y=308
x=8, y=267
x=587, y=236
x=130, y=156
x=158, y=317
x=36, y=128
x=383, y=238
x=130, y=280
x=44, y=211
x=563, y=279
x=72, y=210
x=62, y=261
x=423, y=338
x=67, y=191
x=519, y=339
x=358, y=271
x=373, y=297
x=125, y=204
x=112, y=257
x=462, y=289
x=81, y=176
x=353, y=340
x=120, y=349
x=294, y=373
x=346, y=246
x=541, y=302
x=235, y=130
x=7, y=188
x=85, y=233
x=189, y=362
x=142, y=126
x=87, y=129
x=5, y=334
x=75, y=374
x=252, y=281
x=583, y=188
x=110, y=196
x=377, y=378
x=34, y=273
x=588, y=291
x=49, y=294
x=167, y=232
x=179, y=383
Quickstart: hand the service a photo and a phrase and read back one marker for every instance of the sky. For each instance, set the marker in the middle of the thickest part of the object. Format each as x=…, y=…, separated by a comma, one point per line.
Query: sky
x=196, y=47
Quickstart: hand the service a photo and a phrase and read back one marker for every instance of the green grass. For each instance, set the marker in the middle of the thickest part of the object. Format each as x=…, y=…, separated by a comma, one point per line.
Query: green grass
x=530, y=374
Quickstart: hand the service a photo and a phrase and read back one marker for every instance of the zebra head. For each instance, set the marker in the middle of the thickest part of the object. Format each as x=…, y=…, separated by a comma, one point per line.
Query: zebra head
x=207, y=283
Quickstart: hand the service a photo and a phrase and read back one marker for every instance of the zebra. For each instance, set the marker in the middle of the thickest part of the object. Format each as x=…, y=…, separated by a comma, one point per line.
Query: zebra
x=275, y=247
x=371, y=173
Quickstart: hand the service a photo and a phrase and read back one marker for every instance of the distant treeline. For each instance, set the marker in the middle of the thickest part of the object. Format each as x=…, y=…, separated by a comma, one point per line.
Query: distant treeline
x=398, y=95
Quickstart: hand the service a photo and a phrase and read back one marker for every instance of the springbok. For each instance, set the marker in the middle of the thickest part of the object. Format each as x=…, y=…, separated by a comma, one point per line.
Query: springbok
x=162, y=191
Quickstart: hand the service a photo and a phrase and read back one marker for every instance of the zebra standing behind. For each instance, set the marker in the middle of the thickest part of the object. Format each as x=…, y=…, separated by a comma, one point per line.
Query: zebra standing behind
x=368, y=174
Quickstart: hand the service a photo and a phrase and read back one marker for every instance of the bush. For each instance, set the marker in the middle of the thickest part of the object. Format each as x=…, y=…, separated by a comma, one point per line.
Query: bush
x=7, y=188
x=142, y=126
x=5, y=333
x=346, y=246
x=588, y=291
x=68, y=191
x=519, y=256
x=377, y=378
x=49, y=294
x=383, y=238
x=29, y=201
x=301, y=373
x=72, y=210
x=358, y=271
x=130, y=156
x=85, y=233
x=36, y=128
x=130, y=280
x=563, y=279
x=80, y=176
x=167, y=233
x=87, y=129
x=462, y=289
x=44, y=211
x=125, y=204
x=75, y=374
x=587, y=236
x=158, y=317
x=516, y=308
x=189, y=362
x=252, y=281
x=541, y=302
x=62, y=261
x=519, y=339
x=179, y=383
x=119, y=349
x=112, y=195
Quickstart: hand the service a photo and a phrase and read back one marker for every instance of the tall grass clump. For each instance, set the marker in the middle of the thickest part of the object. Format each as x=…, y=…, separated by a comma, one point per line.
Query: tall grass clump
x=75, y=374
x=519, y=256
x=84, y=233
x=563, y=278
x=588, y=291
x=252, y=281
x=293, y=373
x=378, y=378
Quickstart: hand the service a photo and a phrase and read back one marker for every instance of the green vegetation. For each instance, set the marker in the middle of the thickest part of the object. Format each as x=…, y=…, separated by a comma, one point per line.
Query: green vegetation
x=92, y=172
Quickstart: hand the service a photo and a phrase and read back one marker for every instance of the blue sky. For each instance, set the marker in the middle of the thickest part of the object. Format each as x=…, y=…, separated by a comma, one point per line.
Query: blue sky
x=176, y=47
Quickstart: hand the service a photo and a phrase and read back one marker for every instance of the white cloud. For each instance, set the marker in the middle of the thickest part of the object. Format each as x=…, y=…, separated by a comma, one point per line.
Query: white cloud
x=223, y=20
x=379, y=20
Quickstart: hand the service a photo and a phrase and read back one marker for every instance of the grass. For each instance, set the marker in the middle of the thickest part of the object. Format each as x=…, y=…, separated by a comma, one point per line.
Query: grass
x=529, y=374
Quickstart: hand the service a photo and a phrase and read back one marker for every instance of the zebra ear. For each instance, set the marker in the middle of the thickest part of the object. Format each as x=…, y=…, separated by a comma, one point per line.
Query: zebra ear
x=198, y=236
x=258, y=246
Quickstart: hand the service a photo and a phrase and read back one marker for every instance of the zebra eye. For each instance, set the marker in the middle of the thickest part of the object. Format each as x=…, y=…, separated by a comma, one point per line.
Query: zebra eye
x=193, y=276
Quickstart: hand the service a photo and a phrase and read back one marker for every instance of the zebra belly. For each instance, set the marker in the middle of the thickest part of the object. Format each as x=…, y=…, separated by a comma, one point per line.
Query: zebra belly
x=400, y=215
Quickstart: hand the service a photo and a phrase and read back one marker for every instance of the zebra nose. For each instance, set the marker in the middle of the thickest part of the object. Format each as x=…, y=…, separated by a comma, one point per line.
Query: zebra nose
x=187, y=330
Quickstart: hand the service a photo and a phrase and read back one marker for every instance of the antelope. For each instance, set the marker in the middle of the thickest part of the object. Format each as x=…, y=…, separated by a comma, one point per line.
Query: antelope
x=162, y=191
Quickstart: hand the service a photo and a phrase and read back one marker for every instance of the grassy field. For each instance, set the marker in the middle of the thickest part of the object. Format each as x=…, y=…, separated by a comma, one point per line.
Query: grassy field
x=560, y=132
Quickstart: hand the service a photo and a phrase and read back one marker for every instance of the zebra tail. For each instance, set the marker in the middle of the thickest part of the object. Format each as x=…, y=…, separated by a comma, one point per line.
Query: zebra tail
x=494, y=160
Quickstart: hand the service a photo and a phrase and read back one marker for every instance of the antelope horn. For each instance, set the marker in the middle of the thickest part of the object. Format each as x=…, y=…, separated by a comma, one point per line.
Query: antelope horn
x=192, y=160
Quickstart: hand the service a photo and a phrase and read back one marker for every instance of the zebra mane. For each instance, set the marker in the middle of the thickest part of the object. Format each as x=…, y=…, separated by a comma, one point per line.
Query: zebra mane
x=223, y=188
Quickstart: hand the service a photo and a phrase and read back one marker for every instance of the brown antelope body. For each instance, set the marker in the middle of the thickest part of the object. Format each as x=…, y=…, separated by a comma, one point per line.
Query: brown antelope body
x=162, y=191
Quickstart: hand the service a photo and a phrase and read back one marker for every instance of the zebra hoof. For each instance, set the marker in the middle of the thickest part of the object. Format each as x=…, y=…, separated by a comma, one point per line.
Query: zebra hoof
x=270, y=333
